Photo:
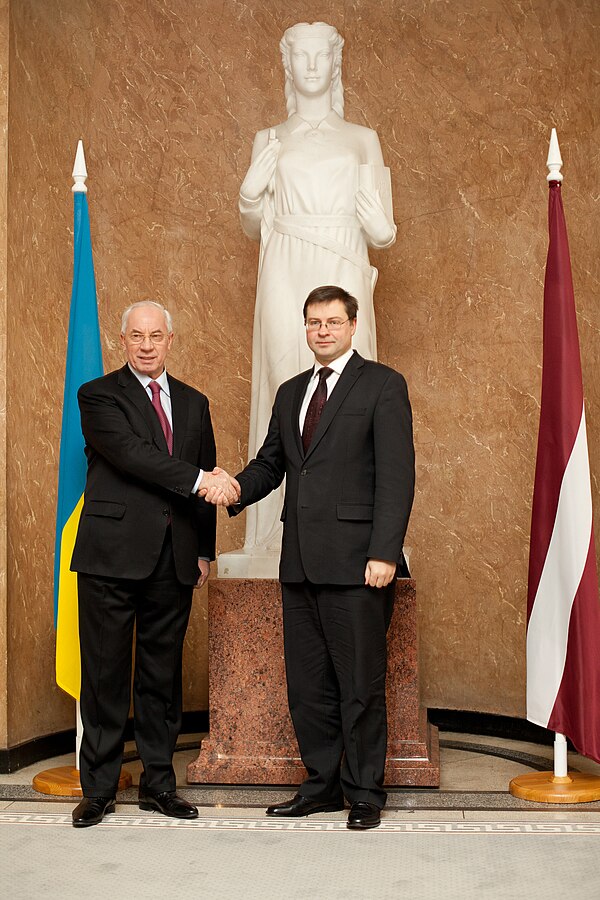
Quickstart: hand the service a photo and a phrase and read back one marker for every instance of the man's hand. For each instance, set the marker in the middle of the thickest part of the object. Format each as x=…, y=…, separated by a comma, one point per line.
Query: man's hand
x=204, y=566
x=219, y=488
x=379, y=573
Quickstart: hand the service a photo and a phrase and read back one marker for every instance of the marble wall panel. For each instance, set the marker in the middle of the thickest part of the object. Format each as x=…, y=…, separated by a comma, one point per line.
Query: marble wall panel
x=167, y=98
x=3, y=242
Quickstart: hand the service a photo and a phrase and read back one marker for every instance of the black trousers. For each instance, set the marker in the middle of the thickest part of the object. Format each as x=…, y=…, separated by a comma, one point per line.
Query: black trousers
x=336, y=659
x=159, y=606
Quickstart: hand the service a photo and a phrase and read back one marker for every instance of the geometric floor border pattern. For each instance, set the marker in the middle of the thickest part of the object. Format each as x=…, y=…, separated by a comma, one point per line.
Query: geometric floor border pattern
x=388, y=825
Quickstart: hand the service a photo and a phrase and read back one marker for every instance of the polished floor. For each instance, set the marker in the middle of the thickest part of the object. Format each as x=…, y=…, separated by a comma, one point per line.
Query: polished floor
x=469, y=839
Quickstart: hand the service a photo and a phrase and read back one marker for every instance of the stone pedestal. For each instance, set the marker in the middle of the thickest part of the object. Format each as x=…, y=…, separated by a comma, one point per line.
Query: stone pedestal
x=257, y=563
x=251, y=738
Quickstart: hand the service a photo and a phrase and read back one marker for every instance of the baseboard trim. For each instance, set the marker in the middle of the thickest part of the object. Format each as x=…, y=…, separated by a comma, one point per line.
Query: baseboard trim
x=461, y=721
x=30, y=752
x=508, y=727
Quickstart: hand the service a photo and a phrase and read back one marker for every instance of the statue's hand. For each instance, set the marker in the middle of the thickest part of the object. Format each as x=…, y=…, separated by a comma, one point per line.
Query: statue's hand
x=260, y=172
x=373, y=219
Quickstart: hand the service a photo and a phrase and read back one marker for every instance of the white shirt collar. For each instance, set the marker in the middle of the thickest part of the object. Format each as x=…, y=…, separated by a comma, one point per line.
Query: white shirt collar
x=145, y=380
x=338, y=365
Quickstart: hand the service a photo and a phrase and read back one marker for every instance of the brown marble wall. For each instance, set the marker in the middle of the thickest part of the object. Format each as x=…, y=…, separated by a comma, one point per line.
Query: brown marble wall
x=167, y=98
x=3, y=238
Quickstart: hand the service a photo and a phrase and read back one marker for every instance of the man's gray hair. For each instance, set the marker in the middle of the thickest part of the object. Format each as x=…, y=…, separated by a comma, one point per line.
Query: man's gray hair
x=163, y=309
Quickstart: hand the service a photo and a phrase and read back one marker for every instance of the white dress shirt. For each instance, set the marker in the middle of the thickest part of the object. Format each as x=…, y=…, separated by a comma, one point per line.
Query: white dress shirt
x=165, y=402
x=337, y=367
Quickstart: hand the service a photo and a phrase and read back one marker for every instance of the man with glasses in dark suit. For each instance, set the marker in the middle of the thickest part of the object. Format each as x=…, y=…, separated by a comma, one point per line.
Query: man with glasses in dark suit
x=341, y=434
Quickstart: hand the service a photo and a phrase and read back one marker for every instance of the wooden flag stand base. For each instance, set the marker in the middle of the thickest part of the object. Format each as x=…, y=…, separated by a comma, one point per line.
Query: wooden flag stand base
x=64, y=782
x=546, y=787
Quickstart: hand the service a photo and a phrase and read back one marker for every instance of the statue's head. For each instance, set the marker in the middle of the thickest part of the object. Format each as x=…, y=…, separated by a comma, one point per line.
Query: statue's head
x=312, y=59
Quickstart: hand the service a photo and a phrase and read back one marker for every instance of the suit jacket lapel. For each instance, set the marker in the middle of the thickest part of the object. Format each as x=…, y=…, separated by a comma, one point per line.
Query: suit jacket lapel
x=347, y=380
x=138, y=396
x=300, y=391
x=180, y=410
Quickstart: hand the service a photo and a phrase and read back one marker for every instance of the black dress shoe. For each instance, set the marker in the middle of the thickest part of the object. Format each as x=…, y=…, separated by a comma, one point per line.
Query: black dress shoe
x=92, y=810
x=364, y=815
x=301, y=806
x=169, y=803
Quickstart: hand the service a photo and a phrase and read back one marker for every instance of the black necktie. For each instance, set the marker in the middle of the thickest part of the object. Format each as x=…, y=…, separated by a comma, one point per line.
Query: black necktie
x=315, y=408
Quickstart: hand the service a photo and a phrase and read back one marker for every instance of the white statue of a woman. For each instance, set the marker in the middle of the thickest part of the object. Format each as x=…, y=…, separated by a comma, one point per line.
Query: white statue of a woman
x=316, y=195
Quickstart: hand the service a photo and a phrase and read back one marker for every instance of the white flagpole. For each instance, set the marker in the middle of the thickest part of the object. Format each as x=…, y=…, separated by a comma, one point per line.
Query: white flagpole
x=79, y=734
x=79, y=186
x=79, y=171
x=554, y=163
x=560, y=758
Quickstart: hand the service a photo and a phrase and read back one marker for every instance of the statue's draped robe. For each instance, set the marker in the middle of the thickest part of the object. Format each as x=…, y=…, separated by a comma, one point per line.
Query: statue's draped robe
x=310, y=236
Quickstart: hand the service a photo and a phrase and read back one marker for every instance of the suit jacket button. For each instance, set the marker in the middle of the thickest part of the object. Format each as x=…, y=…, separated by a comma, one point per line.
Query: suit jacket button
x=165, y=512
x=303, y=472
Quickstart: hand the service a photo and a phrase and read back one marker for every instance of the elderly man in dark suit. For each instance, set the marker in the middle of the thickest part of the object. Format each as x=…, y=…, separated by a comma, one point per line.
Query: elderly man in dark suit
x=341, y=434
x=145, y=539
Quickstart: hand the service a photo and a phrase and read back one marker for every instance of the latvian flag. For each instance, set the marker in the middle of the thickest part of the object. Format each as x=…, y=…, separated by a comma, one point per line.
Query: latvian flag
x=563, y=610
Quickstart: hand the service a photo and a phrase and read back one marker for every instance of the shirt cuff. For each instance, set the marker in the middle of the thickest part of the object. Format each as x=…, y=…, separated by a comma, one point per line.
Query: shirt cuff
x=198, y=480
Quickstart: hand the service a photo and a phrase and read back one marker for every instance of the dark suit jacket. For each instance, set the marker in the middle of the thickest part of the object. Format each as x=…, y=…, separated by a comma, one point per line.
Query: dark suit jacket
x=134, y=487
x=349, y=499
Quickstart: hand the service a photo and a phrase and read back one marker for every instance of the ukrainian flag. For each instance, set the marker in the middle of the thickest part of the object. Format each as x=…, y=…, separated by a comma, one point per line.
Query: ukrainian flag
x=84, y=362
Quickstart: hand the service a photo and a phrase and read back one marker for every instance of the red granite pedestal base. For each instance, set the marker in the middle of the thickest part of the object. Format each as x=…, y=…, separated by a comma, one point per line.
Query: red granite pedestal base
x=251, y=738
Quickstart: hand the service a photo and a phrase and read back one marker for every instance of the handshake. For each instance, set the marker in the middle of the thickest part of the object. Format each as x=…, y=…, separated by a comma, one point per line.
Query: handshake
x=219, y=488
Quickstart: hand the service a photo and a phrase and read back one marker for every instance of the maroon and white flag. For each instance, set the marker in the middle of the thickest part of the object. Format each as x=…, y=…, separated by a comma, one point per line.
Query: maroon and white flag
x=563, y=609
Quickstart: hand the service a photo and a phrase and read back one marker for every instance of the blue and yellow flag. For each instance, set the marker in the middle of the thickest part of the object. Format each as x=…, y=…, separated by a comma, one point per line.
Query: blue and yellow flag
x=84, y=362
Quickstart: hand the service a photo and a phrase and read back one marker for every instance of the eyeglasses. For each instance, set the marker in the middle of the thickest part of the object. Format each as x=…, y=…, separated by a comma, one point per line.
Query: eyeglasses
x=157, y=337
x=329, y=325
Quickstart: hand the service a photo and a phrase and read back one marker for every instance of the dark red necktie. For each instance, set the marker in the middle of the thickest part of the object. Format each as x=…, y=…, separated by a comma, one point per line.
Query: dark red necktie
x=162, y=416
x=315, y=408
